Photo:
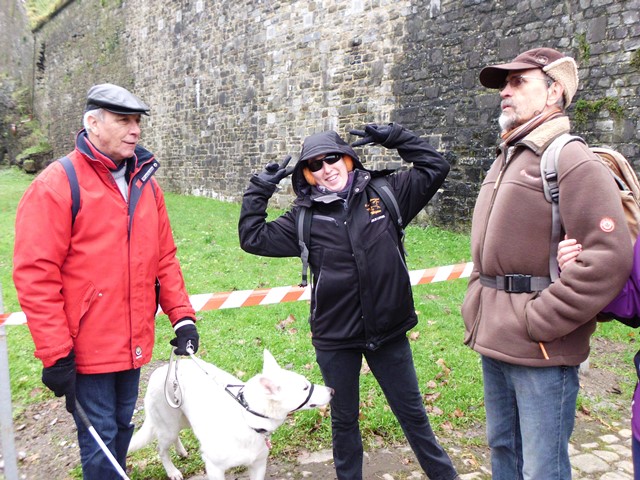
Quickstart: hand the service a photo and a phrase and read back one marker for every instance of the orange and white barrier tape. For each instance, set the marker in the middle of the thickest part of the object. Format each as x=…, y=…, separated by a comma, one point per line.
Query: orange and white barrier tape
x=17, y=318
x=270, y=296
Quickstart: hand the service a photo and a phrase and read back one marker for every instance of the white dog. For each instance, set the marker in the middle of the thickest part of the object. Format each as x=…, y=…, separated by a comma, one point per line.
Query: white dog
x=232, y=420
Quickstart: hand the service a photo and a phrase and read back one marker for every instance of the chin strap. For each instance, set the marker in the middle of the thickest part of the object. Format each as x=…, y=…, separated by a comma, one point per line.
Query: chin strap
x=311, y=388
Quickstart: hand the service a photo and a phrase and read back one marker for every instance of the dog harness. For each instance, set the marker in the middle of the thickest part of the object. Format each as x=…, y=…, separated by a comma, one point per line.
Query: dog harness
x=176, y=401
x=239, y=397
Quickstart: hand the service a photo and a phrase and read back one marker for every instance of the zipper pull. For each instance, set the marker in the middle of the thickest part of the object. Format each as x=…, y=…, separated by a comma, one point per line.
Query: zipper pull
x=506, y=162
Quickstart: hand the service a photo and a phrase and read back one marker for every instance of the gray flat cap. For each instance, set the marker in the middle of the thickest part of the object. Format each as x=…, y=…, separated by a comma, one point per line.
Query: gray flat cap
x=115, y=99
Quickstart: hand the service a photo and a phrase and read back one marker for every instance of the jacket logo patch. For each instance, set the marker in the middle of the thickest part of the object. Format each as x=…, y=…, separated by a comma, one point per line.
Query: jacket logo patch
x=607, y=225
x=373, y=206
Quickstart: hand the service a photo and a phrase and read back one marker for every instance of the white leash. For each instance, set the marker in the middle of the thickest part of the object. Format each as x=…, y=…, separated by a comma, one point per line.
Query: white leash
x=172, y=395
x=197, y=361
x=172, y=392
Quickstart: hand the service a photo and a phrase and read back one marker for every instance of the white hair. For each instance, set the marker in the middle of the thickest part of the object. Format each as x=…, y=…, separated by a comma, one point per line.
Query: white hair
x=96, y=112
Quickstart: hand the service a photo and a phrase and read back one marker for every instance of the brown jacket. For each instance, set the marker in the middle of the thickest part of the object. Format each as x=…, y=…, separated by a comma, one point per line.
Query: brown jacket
x=511, y=234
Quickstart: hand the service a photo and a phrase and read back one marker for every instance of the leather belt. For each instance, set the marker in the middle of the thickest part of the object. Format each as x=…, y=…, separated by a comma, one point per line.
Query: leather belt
x=516, y=282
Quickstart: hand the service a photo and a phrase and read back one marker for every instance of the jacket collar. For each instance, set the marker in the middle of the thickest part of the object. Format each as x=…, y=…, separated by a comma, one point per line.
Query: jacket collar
x=541, y=137
x=140, y=157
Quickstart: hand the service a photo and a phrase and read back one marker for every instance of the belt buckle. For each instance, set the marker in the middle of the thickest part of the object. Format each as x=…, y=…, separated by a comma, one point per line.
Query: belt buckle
x=517, y=283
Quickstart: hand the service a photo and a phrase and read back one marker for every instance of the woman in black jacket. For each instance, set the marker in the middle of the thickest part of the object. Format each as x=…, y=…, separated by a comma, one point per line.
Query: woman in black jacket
x=361, y=302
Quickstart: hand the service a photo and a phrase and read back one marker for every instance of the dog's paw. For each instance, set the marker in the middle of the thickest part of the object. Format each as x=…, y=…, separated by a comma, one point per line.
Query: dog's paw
x=172, y=472
x=175, y=475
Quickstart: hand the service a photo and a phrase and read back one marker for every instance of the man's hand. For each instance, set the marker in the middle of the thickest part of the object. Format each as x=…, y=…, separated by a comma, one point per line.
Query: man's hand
x=187, y=338
x=60, y=378
x=274, y=172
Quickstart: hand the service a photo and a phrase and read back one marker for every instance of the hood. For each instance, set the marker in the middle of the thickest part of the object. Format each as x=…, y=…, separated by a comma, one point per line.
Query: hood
x=319, y=144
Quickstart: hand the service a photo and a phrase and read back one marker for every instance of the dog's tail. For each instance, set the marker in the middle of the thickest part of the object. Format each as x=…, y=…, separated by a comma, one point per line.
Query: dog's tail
x=142, y=437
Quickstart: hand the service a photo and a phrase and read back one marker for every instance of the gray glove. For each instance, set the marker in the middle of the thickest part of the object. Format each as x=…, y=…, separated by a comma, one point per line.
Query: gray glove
x=385, y=135
x=274, y=172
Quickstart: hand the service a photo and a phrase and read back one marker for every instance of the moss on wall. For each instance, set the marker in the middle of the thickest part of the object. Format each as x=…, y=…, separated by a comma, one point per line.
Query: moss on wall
x=587, y=109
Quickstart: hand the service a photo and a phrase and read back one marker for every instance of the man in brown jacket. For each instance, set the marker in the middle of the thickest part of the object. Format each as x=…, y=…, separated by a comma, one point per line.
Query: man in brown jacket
x=532, y=333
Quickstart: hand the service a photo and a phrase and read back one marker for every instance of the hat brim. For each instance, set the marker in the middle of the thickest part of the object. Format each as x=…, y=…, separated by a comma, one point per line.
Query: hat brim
x=115, y=109
x=495, y=75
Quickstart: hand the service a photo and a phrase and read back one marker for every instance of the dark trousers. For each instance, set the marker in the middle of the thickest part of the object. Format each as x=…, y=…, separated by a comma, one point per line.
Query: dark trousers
x=392, y=366
x=108, y=400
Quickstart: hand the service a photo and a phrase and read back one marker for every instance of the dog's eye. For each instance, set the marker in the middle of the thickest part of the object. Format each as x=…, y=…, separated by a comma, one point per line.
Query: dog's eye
x=306, y=387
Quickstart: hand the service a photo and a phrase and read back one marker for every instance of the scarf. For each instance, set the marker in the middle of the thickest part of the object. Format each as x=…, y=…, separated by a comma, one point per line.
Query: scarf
x=121, y=180
x=513, y=136
x=342, y=193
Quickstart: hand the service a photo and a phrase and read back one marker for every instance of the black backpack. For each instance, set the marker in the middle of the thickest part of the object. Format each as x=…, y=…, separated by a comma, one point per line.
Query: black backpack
x=75, y=188
x=305, y=215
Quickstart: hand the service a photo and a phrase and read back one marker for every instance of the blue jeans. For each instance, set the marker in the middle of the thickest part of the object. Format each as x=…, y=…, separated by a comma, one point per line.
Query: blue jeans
x=530, y=417
x=392, y=366
x=108, y=400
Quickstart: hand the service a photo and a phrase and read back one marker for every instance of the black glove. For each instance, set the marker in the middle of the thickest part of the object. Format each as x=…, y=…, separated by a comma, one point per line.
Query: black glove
x=384, y=135
x=274, y=172
x=60, y=378
x=187, y=340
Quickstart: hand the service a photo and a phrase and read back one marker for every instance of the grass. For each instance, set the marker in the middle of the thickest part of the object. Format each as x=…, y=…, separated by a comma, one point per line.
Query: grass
x=212, y=261
x=39, y=11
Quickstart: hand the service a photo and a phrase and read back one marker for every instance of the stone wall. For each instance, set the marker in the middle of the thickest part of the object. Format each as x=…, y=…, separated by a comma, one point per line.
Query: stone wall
x=16, y=54
x=16, y=67
x=235, y=84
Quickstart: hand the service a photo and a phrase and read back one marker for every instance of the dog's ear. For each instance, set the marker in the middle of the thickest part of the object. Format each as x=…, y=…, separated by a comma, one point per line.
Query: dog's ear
x=270, y=387
x=269, y=363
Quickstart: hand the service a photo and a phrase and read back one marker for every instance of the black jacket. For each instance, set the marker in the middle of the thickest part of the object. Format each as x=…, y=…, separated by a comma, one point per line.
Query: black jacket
x=361, y=291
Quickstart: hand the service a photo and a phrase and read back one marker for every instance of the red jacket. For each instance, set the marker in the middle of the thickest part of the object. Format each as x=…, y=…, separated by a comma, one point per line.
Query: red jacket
x=91, y=286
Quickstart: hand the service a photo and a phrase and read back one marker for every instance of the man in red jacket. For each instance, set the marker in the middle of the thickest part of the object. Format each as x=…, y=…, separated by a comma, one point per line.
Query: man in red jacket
x=90, y=283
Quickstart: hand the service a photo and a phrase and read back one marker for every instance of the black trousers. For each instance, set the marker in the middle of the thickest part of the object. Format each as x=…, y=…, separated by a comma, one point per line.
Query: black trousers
x=392, y=366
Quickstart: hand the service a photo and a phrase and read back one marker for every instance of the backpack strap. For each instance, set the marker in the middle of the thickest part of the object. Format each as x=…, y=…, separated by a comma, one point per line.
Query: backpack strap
x=303, y=226
x=383, y=189
x=549, y=174
x=305, y=215
x=75, y=187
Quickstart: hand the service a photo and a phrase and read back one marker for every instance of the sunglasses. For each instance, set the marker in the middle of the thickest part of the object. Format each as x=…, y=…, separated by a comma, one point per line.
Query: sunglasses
x=330, y=159
x=518, y=80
